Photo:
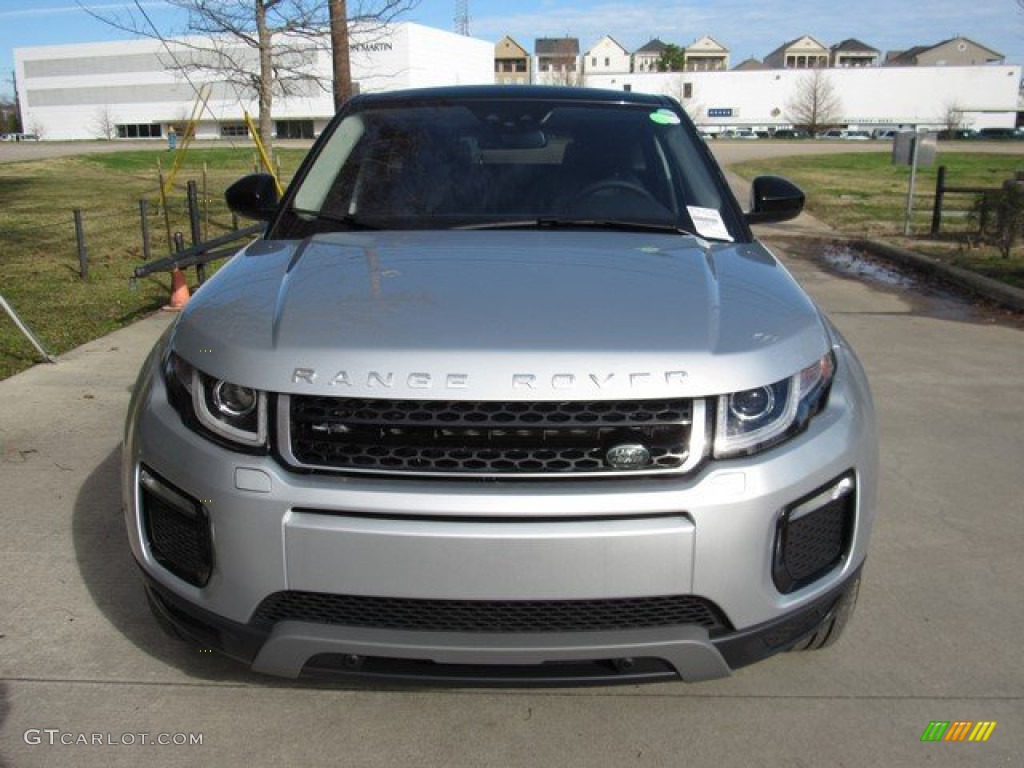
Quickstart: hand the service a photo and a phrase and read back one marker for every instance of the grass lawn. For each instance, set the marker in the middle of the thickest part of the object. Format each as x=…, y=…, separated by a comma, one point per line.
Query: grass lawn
x=864, y=195
x=39, y=265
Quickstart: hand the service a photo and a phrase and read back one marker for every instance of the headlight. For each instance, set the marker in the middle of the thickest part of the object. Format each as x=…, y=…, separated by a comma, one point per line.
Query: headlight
x=230, y=411
x=755, y=419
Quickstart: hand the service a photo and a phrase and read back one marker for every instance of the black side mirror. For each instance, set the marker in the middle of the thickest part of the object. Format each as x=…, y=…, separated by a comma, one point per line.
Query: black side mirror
x=253, y=196
x=773, y=198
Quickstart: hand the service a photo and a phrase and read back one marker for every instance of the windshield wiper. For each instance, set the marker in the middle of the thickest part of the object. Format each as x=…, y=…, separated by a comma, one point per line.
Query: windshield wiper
x=348, y=219
x=556, y=223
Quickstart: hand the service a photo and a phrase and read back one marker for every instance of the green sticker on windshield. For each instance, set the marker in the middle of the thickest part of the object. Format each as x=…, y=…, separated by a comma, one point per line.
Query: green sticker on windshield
x=665, y=117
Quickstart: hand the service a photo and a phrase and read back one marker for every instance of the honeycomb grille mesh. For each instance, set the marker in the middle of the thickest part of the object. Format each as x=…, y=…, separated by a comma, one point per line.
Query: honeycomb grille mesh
x=816, y=541
x=489, y=616
x=179, y=543
x=485, y=437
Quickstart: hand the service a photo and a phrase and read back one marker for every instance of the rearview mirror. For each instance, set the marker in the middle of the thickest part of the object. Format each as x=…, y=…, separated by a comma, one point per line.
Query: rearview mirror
x=253, y=196
x=773, y=198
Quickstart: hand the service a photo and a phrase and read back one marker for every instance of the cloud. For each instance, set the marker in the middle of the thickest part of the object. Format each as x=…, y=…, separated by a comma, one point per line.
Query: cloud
x=61, y=10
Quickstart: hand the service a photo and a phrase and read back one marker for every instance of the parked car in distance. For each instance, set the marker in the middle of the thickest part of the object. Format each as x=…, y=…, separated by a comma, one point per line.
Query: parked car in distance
x=791, y=133
x=845, y=135
x=509, y=392
x=958, y=134
x=1000, y=134
x=884, y=133
x=738, y=133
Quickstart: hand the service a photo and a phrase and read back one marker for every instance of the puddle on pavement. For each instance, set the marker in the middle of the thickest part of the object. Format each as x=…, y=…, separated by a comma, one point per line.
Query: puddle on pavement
x=847, y=261
x=927, y=295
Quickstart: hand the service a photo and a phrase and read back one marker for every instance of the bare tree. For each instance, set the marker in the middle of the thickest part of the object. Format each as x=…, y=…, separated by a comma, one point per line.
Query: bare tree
x=682, y=91
x=953, y=116
x=104, y=123
x=262, y=48
x=815, y=104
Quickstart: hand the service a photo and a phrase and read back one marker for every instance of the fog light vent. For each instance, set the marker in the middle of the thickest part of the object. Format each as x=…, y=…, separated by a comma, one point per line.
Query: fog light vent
x=177, y=529
x=814, y=534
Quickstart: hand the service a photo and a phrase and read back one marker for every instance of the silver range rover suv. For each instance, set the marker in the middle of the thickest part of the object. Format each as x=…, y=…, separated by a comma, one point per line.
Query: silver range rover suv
x=507, y=393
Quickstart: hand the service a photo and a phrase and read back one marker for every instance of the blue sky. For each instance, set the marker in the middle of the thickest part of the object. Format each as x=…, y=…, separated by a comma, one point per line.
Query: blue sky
x=745, y=27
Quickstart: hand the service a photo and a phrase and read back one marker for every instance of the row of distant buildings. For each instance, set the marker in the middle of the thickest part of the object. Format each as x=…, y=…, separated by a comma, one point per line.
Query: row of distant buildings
x=136, y=89
x=559, y=59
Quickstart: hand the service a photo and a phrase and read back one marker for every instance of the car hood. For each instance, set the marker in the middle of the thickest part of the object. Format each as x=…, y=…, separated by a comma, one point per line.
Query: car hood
x=501, y=314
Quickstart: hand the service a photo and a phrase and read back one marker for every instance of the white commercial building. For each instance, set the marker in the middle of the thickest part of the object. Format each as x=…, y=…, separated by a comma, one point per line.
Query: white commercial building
x=132, y=89
x=929, y=97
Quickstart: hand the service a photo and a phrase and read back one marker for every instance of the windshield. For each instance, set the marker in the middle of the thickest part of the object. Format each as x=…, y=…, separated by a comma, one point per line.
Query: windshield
x=501, y=162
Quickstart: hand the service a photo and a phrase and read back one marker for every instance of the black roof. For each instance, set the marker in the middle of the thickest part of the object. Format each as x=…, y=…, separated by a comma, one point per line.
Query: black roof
x=512, y=93
x=852, y=44
x=654, y=46
x=556, y=46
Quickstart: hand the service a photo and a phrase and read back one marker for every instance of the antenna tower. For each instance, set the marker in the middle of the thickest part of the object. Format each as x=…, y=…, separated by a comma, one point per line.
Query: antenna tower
x=462, y=17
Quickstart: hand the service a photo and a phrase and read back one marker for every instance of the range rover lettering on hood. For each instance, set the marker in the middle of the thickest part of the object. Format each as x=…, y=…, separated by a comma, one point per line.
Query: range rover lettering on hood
x=423, y=380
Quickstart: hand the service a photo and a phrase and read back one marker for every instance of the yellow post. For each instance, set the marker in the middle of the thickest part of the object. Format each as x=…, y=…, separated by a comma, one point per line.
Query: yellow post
x=163, y=204
x=264, y=157
x=186, y=140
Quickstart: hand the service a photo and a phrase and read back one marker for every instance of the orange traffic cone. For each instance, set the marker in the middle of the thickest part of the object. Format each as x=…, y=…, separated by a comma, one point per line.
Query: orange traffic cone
x=179, y=291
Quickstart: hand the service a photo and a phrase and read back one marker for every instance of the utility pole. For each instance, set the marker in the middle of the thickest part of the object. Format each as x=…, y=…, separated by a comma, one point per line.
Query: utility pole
x=19, y=126
x=342, y=69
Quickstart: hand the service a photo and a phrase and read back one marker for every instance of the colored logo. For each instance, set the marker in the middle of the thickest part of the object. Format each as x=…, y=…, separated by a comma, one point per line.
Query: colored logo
x=958, y=730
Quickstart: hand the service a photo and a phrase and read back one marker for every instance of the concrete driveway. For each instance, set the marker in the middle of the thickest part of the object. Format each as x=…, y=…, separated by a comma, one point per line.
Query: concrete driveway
x=936, y=636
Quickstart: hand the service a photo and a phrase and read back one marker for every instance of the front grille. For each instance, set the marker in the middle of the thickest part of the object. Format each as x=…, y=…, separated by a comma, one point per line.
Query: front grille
x=489, y=615
x=484, y=437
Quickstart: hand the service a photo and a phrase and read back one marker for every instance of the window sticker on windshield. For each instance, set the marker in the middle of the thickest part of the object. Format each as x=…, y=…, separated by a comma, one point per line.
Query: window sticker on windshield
x=708, y=223
x=665, y=117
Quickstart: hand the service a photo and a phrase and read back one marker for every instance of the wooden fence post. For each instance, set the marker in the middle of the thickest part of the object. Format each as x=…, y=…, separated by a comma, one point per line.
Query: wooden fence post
x=83, y=257
x=940, y=192
x=195, y=226
x=144, y=220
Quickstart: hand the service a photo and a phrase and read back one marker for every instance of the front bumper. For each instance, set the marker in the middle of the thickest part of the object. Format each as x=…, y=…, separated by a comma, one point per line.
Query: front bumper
x=292, y=649
x=710, y=534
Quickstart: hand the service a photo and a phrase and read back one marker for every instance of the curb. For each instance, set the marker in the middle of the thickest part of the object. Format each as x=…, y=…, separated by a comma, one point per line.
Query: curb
x=1004, y=294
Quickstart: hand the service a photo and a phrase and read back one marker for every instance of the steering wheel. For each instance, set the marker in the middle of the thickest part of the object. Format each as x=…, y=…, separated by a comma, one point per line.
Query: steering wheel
x=625, y=186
